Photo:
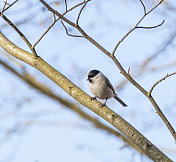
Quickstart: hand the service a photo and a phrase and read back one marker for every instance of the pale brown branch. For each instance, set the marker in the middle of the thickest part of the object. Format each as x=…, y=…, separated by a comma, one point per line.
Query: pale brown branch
x=20, y=33
x=168, y=75
x=66, y=30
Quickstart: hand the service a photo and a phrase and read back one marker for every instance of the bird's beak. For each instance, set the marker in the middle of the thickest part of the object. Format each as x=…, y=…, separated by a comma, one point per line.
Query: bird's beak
x=89, y=79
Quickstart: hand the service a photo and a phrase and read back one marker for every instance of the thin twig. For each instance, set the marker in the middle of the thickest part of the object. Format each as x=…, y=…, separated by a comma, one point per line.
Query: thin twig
x=129, y=70
x=66, y=30
x=66, y=5
x=20, y=33
x=79, y=4
x=168, y=75
x=155, y=7
x=79, y=14
x=47, y=30
x=115, y=48
x=143, y=7
x=10, y=5
x=5, y=3
x=150, y=27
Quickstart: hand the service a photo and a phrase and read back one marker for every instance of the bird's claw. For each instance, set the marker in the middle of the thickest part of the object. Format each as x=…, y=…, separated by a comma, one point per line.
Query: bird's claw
x=102, y=105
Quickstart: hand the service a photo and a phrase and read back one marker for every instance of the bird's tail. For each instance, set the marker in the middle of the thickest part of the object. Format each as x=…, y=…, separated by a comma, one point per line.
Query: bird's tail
x=120, y=101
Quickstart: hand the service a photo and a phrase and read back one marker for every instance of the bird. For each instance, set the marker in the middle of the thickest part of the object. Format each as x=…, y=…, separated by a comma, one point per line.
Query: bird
x=101, y=87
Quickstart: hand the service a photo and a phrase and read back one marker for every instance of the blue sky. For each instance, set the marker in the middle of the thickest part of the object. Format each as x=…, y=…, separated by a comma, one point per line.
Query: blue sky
x=53, y=133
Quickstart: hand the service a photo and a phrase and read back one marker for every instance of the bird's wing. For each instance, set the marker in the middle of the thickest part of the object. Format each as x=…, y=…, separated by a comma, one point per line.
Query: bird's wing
x=109, y=84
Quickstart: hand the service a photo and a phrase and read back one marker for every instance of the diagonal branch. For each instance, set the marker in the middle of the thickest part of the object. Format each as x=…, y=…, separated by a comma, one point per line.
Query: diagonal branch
x=27, y=78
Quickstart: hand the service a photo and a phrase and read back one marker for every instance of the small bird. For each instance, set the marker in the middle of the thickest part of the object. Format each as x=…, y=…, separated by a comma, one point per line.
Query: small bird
x=101, y=87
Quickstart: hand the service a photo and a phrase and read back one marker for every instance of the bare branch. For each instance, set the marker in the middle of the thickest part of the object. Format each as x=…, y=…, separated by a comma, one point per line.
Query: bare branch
x=66, y=5
x=155, y=7
x=20, y=33
x=85, y=35
x=168, y=75
x=68, y=32
x=115, y=48
x=57, y=13
x=79, y=4
x=129, y=71
x=10, y=5
x=45, y=32
x=143, y=7
x=55, y=20
x=81, y=11
x=150, y=27
x=5, y=3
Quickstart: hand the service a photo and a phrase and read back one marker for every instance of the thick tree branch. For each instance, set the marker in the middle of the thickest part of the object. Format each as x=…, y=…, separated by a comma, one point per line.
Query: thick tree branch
x=27, y=78
x=107, y=114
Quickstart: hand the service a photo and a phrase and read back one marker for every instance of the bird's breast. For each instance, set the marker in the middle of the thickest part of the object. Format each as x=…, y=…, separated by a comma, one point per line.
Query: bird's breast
x=100, y=90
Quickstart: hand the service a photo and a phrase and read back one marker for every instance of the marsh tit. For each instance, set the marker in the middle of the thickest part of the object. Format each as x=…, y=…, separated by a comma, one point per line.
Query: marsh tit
x=101, y=87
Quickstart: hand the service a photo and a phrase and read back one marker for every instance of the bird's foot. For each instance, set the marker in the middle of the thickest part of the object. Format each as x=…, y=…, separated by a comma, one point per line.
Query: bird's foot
x=102, y=105
x=93, y=98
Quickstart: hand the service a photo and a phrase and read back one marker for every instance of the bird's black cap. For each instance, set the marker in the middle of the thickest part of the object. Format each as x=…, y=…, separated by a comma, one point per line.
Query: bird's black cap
x=92, y=73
